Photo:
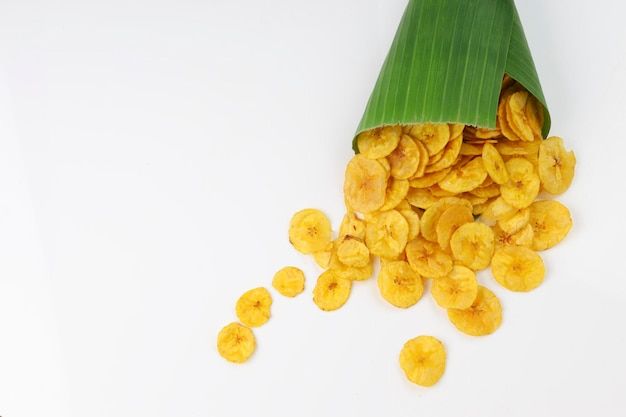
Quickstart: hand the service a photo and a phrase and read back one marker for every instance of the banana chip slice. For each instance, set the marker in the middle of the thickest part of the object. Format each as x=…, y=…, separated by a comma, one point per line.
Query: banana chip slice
x=517, y=268
x=309, y=231
x=365, y=184
x=424, y=157
x=516, y=109
x=523, y=237
x=450, y=220
x=458, y=289
x=289, y=281
x=503, y=116
x=322, y=258
x=386, y=234
x=428, y=180
x=331, y=291
x=405, y=159
x=353, y=252
x=253, y=307
x=534, y=116
x=483, y=317
x=466, y=177
x=427, y=258
x=551, y=221
x=523, y=186
x=399, y=284
x=494, y=164
x=433, y=136
x=351, y=225
x=397, y=190
x=498, y=209
x=413, y=220
x=515, y=222
x=449, y=155
x=380, y=142
x=423, y=360
x=472, y=245
x=428, y=226
x=236, y=343
x=556, y=165
x=421, y=198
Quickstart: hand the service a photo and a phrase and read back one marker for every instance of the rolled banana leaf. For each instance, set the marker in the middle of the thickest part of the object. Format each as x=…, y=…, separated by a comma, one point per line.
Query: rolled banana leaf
x=446, y=65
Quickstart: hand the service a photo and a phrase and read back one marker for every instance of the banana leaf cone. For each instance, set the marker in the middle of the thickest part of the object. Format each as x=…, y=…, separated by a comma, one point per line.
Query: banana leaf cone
x=447, y=62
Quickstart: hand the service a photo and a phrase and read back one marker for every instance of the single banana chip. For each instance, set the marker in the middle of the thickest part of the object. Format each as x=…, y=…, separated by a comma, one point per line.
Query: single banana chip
x=498, y=209
x=450, y=220
x=517, y=268
x=386, y=234
x=516, y=222
x=421, y=198
x=428, y=180
x=424, y=157
x=413, y=220
x=405, y=159
x=423, y=360
x=380, y=142
x=516, y=111
x=523, y=237
x=458, y=289
x=433, y=136
x=471, y=150
x=427, y=258
x=474, y=199
x=472, y=245
x=527, y=149
x=331, y=291
x=449, y=156
x=322, y=258
x=486, y=191
x=399, y=284
x=556, y=165
x=253, y=307
x=236, y=343
x=534, y=116
x=353, y=252
x=466, y=177
x=397, y=190
x=483, y=317
x=428, y=226
x=523, y=186
x=483, y=133
x=365, y=184
x=309, y=231
x=503, y=117
x=353, y=273
x=351, y=225
x=438, y=192
x=289, y=281
x=551, y=221
x=494, y=164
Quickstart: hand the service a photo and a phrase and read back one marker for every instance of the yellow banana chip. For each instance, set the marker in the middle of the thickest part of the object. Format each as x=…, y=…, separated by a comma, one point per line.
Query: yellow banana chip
x=380, y=142
x=399, y=284
x=236, y=343
x=517, y=268
x=534, y=116
x=397, y=190
x=427, y=258
x=309, y=231
x=523, y=237
x=351, y=225
x=458, y=289
x=413, y=220
x=365, y=184
x=466, y=177
x=289, y=281
x=322, y=258
x=428, y=180
x=494, y=164
x=403, y=205
x=405, y=159
x=503, y=117
x=438, y=192
x=498, y=209
x=353, y=252
x=527, y=149
x=428, y=226
x=488, y=133
x=515, y=222
x=424, y=157
x=472, y=245
x=471, y=150
x=331, y=291
x=386, y=234
x=551, y=221
x=556, y=165
x=523, y=185
x=483, y=317
x=450, y=153
x=423, y=360
x=516, y=109
x=450, y=220
x=421, y=197
x=253, y=307
x=433, y=136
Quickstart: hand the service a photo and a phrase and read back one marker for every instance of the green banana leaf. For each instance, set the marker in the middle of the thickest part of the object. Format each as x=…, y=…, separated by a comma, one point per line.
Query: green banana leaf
x=446, y=65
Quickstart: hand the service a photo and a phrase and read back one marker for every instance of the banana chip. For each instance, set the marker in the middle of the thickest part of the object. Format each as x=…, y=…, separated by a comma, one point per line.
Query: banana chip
x=365, y=184
x=471, y=150
x=508, y=148
x=427, y=258
x=399, y=284
x=450, y=153
x=458, y=289
x=424, y=157
x=380, y=142
x=253, y=307
x=534, y=116
x=351, y=225
x=413, y=220
x=494, y=164
x=353, y=252
x=551, y=221
x=516, y=222
x=517, y=268
x=405, y=159
x=322, y=258
x=428, y=226
x=421, y=198
x=309, y=231
x=523, y=237
x=236, y=343
x=556, y=165
x=516, y=113
x=289, y=281
x=498, y=209
x=523, y=185
x=396, y=192
x=331, y=291
x=502, y=116
x=423, y=360
x=433, y=136
x=466, y=177
x=386, y=234
x=483, y=317
x=450, y=220
x=428, y=180
x=472, y=245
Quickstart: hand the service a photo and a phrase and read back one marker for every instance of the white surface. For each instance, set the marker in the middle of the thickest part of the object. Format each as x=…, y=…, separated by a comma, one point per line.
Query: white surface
x=151, y=155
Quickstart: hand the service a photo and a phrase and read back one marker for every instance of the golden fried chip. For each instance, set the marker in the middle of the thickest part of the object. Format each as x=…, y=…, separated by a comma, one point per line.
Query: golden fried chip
x=534, y=116
x=385, y=163
x=405, y=159
x=396, y=192
x=380, y=142
x=428, y=226
x=433, y=136
x=450, y=153
x=465, y=178
x=429, y=179
x=483, y=317
x=479, y=208
x=236, y=343
x=508, y=148
x=516, y=222
x=421, y=197
x=322, y=258
x=386, y=234
x=474, y=199
x=458, y=289
x=517, y=268
x=523, y=237
x=353, y=252
x=516, y=113
x=551, y=221
x=399, y=284
x=253, y=307
x=351, y=225
x=503, y=117
x=423, y=360
x=450, y=220
x=487, y=191
x=427, y=258
x=289, y=281
x=556, y=165
x=438, y=192
x=472, y=245
x=413, y=220
x=424, y=157
x=309, y=231
x=494, y=164
x=471, y=150
x=331, y=291
x=482, y=133
x=523, y=185
x=498, y=209
x=365, y=184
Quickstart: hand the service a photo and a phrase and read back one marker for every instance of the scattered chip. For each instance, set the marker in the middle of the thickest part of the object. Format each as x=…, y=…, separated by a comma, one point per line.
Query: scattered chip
x=386, y=234
x=396, y=192
x=498, y=209
x=331, y=291
x=399, y=284
x=405, y=159
x=516, y=222
x=523, y=185
x=522, y=237
x=423, y=360
x=322, y=258
x=551, y=222
x=494, y=164
x=483, y=317
x=378, y=143
x=556, y=165
x=427, y=258
x=450, y=153
x=466, y=177
x=450, y=220
x=236, y=343
x=309, y=231
x=517, y=268
x=289, y=281
x=253, y=307
x=472, y=245
x=365, y=184
x=351, y=225
x=353, y=252
x=428, y=226
x=433, y=136
x=458, y=289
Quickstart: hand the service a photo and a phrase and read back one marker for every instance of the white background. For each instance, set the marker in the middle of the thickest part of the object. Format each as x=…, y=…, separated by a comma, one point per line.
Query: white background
x=151, y=155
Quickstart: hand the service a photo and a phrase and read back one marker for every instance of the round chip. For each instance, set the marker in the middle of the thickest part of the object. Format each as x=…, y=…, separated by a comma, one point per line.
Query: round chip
x=494, y=164
x=399, y=284
x=483, y=317
x=498, y=209
x=516, y=109
x=289, y=281
x=428, y=226
x=466, y=177
x=503, y=117
x=450, y=153
x=322, y=258
x=386, y=234
x=556, y=165
x=458, y=289
x=331, y=291
x=413, y=220
x=365, y=184
x=426, y=180
x=427, y=258
x=517, y=268
x=309, y=231
x=253, y=307
x=486, y=191
x=516, y=222
x=433, y=136
x=423, y=360
x=472, y=245
x=397, y=190
x=380, y=142
x=551, y=221
x=353, y=252
x=236, y=343
x=424, y=157
x=421, y=197
x=523, y=237
x=450, y=220
x=534, y=116
x=508, y=148
x=523, y=185
x=351, y=225
x=405, y=159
